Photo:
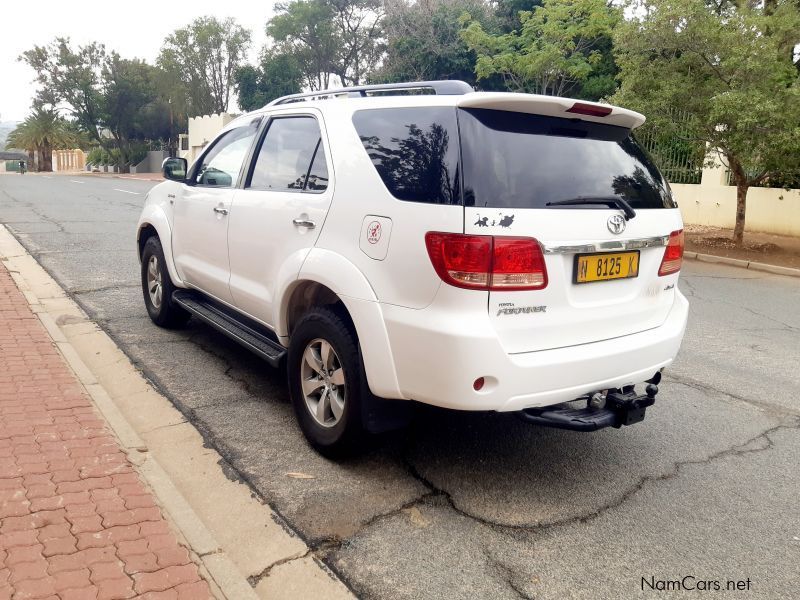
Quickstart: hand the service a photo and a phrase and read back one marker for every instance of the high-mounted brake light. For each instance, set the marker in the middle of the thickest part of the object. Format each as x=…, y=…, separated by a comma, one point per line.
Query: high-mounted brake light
x=673, y=254
x=592, y=110
x=485, y=262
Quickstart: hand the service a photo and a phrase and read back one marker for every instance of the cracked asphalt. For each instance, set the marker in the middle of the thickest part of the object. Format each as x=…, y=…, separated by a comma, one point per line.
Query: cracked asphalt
x=483, y=505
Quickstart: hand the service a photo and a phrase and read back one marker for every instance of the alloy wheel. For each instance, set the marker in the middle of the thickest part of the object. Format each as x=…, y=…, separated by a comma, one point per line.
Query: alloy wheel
x=323, y=382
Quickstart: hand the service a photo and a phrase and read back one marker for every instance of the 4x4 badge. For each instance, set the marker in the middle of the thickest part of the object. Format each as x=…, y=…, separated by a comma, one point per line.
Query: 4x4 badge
x=616, y=224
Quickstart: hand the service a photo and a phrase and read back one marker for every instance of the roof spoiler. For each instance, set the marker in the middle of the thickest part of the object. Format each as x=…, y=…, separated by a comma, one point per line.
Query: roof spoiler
x=554, y=106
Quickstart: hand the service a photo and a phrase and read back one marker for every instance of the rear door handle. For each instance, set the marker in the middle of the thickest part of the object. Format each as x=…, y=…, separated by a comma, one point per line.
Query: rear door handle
x=220, y=211
x=304, y=223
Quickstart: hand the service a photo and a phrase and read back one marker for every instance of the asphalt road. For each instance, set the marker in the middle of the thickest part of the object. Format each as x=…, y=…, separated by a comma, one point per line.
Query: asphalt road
x=483, y=505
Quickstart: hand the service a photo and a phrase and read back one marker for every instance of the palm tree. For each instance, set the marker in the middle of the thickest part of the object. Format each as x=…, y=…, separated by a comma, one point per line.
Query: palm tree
x=43, y=131
x=22, y=138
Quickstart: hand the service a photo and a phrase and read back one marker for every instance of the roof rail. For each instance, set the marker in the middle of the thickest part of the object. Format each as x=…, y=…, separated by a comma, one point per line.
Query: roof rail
x=445, y=87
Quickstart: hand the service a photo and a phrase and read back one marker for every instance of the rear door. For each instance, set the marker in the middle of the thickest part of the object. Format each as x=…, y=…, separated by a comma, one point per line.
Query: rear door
x=280, y=211
x=602, y=268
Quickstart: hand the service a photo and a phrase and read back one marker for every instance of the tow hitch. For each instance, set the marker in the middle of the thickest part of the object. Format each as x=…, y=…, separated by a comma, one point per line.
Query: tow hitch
x=615, y=409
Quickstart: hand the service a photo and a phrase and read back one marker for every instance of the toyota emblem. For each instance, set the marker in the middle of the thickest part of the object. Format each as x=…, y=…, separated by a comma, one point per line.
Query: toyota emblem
x=616, y=224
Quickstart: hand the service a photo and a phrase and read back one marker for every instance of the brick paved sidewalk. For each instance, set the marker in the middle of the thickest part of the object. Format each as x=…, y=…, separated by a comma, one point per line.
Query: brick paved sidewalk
x=76, y=522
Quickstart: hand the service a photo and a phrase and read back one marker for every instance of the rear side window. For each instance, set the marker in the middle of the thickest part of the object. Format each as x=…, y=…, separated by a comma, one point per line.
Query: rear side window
x=414, y=150
x=290, y=152
x=517, y=160
x=318, y=174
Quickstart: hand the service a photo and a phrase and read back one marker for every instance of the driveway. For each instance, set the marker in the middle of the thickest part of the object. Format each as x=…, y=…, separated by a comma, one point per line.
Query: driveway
x=483, y=505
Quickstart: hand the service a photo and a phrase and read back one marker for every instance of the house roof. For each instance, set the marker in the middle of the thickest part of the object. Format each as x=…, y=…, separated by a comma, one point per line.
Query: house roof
x=13, y=156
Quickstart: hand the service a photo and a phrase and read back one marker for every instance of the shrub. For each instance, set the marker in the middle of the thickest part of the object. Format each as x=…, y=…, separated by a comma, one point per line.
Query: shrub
x=95, y=156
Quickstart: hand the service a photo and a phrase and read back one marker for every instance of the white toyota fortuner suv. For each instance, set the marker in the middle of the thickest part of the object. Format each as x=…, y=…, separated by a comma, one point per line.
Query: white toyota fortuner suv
x=425, y=242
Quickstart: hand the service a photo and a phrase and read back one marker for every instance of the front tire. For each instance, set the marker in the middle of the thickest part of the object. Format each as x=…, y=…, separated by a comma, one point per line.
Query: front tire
x=327, y=384
x=157, y=288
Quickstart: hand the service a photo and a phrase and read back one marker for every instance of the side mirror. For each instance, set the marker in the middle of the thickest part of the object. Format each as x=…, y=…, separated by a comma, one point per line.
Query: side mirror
x=174, y=169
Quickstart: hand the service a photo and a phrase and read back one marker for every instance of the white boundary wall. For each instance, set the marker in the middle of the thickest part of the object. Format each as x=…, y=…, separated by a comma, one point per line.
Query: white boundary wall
x=769, y=210
x=202, y=130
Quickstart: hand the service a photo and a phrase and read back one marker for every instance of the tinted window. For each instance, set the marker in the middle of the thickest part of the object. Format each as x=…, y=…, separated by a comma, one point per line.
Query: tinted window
x=515, y=160
x=221, y=165
x=318, y=173
x=414, y=150
x=286, y=153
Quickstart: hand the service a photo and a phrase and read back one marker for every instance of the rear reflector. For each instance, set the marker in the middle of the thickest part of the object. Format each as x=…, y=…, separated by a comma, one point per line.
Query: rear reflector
x=592, y=110
x=485, y=262
x=673, y=254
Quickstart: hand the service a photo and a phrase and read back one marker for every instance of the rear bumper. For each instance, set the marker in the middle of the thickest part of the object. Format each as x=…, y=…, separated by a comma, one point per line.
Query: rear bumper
x=439, y=353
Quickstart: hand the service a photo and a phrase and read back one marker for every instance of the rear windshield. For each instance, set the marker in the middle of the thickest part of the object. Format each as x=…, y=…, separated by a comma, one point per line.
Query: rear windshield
x=516, y=160
x=507, y=160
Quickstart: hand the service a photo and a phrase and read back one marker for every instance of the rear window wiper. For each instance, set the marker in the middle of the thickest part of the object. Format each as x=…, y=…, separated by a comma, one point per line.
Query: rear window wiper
x=614, y=201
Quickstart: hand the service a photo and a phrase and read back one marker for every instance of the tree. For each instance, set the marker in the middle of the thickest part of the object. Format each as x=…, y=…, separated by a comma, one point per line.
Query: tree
x=730, y=67
x=278, y=75
x=42, y=132
x=110, y=98
x=330, y=37
x=556, y=51
x=304, y=29
x=204, y=57
x=424, y=42
x=128, y=88
x=359, y=30
x=71, y=76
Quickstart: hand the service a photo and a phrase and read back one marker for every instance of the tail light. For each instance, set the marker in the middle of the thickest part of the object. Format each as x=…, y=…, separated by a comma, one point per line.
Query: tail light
x=485, y=262
x=673, y=255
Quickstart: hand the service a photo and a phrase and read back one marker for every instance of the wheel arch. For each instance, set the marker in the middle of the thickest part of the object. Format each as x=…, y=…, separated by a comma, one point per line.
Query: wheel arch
x=153, y=222
x=328, y=279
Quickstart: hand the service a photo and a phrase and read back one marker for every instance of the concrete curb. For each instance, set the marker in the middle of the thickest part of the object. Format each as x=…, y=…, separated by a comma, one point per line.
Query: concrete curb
x=744, y=264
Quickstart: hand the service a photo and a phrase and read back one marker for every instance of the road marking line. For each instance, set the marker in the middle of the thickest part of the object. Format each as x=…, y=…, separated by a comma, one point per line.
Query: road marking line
x=46, y=177
x=76, y=181
x=126, y=191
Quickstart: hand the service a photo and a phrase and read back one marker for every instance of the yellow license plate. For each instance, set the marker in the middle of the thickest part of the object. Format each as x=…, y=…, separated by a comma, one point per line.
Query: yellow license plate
x=602, y=267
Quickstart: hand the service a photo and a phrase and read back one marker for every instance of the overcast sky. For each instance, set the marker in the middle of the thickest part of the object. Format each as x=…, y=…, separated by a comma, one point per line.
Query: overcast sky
x=134, y=33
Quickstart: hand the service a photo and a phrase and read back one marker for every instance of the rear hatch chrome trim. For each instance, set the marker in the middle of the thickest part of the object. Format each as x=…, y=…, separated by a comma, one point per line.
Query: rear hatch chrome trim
x=588, y=247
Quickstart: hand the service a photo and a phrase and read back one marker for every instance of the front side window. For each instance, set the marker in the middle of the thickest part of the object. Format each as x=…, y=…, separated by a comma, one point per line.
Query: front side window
x=291, y=157
x=414, y=150
x=221, y=165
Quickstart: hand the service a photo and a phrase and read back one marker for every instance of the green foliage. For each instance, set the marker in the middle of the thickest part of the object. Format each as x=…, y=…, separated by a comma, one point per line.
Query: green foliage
x=70, y=76
x=128, y=98
x=138, y=153
x=329, y=37
x=128, y=87
x=94, y=156
x=358, y=29
x=679, y=158
x=203, y=57
x=730, y=68
x=507, y=12
x=43, y=131
x=304, y=29
x=424, y=41
x=558, y=48
x=278, y=75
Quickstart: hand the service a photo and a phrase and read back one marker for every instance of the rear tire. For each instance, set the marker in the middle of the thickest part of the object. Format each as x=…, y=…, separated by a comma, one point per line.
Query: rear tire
x=327, y=383
x=157, y=288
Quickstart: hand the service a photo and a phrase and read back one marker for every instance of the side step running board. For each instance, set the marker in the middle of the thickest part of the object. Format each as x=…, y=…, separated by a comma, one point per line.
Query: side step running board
x=232, y=325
